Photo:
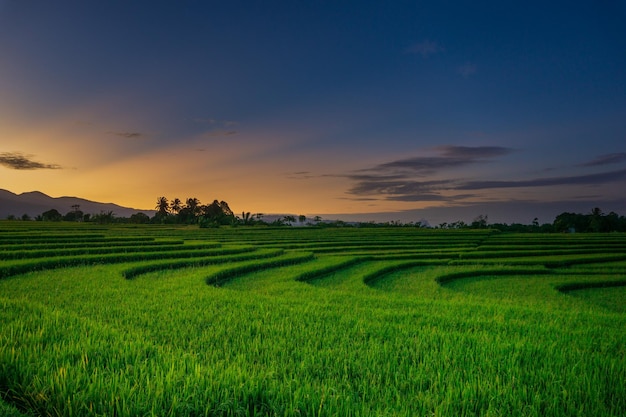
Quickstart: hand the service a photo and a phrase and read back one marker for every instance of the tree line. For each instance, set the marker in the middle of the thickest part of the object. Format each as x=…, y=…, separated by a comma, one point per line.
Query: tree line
x=594, y=222
x=218, y=213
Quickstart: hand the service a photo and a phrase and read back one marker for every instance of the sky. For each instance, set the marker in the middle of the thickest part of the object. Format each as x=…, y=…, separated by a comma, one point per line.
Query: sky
x=381, y=110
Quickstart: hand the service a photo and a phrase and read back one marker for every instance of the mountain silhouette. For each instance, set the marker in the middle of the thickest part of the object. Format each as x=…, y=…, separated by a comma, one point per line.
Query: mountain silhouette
x=35, y=202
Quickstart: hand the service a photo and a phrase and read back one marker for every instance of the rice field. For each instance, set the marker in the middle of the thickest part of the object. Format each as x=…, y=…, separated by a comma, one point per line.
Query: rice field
x=257, y=321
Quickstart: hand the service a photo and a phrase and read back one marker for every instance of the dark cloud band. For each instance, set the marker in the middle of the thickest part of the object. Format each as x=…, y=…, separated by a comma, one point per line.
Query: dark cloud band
x=448, y=157
x=612, y=158
x=402, y=180
x=128, y=135
x=19, y=161
x=591, y=179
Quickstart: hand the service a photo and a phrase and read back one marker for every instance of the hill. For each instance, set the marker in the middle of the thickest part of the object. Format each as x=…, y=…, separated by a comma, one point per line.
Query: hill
x=34, y=203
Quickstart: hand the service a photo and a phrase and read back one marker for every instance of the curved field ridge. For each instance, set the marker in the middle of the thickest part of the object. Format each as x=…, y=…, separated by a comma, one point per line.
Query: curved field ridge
x=40, y=264
x=220, y=278
x=335, y=266
x=453, y=276
x=245, y=254
x=574, y=286
x=374, y=277
x=47, y=253
x=161, y=320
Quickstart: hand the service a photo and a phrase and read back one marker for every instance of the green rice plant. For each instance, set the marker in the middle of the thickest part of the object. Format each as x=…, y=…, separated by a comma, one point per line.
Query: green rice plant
x=581, y=285
x=25, y=247
x=170, y=265
x=22, y=266
x=7, y=410
x=88, y=250
x=402, y=328
x=492, y=271
x=332, y=265
x=609, y=298
x=220, y=278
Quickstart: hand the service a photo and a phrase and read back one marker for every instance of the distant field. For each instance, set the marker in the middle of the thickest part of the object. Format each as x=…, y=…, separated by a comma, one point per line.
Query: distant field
x=255, y=321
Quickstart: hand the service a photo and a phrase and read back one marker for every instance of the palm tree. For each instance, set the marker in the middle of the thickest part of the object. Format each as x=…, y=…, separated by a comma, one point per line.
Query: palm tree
x=162, y=206
x=175, y=205
x=193, y=204
x=246, y=218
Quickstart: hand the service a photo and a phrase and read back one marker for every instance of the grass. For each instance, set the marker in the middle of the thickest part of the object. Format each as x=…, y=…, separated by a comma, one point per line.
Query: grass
x=298, y=330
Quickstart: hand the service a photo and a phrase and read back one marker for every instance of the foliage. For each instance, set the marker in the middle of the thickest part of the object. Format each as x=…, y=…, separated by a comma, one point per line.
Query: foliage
x=193, y=212
x=139, y=218
x=595, y=221
x=51, y=215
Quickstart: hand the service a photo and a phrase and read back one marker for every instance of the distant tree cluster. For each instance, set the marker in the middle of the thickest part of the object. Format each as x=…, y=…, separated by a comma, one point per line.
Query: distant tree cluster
x=193, y=212
x=596, y=221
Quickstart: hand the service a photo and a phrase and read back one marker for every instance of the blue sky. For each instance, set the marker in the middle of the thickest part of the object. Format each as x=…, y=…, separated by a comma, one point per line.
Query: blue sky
x=407, y=108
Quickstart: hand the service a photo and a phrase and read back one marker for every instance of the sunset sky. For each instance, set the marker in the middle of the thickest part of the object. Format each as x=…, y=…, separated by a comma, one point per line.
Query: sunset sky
x=511, y=109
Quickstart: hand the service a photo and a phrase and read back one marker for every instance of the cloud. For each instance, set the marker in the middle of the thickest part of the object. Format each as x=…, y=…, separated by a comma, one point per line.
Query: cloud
x=401, y=189
x=403, y=179
x=398, y=180
x=408, y=189
x=425, y=48
x=300, y=175
x=592, y=179
x=449, y=156
x=611, y=158
x=19, y=161
x=466, y=70
x=215, y=122
x=128, y=135
x=221, y=133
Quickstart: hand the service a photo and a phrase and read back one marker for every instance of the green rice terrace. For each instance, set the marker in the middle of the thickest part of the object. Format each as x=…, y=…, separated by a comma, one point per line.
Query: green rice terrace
x=157, y=320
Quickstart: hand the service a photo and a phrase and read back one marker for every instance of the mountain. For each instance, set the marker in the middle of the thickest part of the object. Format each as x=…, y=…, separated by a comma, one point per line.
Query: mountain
x=34, y=203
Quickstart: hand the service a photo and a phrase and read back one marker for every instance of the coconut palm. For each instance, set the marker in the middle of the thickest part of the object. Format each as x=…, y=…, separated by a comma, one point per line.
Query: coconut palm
x=247, y=218
x=175, y=205
x=193, y=204
x=162, y=206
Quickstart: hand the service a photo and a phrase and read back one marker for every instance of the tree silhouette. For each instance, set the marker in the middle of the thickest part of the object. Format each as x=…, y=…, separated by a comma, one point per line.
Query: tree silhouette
x=246, y=218
x=480, y=222
x=52, y=215
x=175, y=205
x=105, y=217
x=162, y=206
x=193, y=205
x=225, y=209
x=139, y=218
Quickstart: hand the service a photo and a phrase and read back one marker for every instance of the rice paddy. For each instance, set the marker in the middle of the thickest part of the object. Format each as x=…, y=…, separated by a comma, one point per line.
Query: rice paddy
x=258, y=321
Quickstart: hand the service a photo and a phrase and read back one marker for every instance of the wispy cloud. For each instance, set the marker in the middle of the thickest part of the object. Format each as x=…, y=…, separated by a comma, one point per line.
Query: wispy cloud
x=401, y=189
x=403, y=179
x=448, y=157
x=592, y=179
x=128, y=135
x=611, y=158
x=425, y=48
x=19, y=161
x=398, y=180
x=214, y=133
x=467, y=70
x=408, y=189
x=300, y=175
x=215, y=122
